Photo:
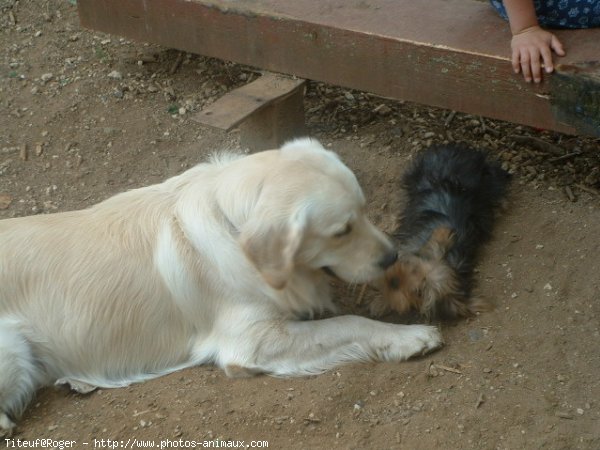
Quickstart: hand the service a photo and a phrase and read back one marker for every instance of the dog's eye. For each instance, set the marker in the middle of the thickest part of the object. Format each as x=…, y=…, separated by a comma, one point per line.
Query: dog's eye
x=347, y=230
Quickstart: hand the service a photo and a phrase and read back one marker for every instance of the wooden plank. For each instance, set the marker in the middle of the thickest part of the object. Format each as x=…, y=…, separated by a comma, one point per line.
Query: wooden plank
x=456, y=55
x=576, y=98
x=237, y=105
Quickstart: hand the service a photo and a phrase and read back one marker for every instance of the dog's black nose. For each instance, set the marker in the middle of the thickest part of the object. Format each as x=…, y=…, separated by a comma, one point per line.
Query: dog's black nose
x=389, y=259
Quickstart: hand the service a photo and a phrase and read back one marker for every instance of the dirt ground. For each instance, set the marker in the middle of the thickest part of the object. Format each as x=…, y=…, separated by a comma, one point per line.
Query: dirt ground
x=85, y=115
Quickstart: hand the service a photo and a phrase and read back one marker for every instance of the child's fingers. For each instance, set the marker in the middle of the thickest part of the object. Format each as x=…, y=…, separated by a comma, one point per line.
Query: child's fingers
x=557, y=46
x=547, y=58
x=536, y=67
x=516, y=60
x=525, y=60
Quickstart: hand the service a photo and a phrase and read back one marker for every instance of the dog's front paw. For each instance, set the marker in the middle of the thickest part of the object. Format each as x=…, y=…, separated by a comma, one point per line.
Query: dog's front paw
x=7, y=426
x=413, y=340
x=78, y=386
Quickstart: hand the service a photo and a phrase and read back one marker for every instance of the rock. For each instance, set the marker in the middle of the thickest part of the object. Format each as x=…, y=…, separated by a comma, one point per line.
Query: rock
x=116, y=75
x=5, y=201
x=383, y=110
x=475, y=335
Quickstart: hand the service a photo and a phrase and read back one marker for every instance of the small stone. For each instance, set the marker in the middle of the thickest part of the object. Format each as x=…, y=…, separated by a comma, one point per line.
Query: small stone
x=182, y=111
x=547, y=287
x=115, y=74
x=383, y=110
x=563, y=415
x=580, y=411
x=52, y=427
x=487, y=370
x=46, y=77
x=5, y=201
x=475, y=335
x=514, y=295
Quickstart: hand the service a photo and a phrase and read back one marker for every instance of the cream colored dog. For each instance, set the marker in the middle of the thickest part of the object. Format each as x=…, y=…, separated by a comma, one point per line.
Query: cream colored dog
x=215, y=265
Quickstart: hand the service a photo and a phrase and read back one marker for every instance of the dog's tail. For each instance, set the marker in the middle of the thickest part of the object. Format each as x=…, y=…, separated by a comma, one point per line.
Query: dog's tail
x=20, y=376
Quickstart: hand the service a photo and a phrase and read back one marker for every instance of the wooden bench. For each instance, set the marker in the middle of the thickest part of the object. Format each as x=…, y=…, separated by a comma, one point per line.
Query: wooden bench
x=446, y=53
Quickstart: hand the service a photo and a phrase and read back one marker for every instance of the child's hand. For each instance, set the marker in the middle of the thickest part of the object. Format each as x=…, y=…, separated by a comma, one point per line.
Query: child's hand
x=531, y=46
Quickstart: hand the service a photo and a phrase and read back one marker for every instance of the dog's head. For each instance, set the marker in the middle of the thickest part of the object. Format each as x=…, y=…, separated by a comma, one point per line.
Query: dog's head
x=309, y=213
x=424, y=282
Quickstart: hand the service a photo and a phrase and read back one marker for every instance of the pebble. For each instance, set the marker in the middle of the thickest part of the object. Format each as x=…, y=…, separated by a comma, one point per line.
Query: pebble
x=115, y=74
x=475, y=335
x=46, y=77
x=383, y=110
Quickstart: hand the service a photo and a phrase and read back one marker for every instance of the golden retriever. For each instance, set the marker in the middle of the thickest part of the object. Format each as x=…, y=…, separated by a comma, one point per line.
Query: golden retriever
x=216, y=265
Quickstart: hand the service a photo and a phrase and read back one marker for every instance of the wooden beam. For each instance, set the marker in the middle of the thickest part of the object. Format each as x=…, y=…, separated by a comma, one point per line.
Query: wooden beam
x=269, y=111
x=447, y=53
x=239, y=104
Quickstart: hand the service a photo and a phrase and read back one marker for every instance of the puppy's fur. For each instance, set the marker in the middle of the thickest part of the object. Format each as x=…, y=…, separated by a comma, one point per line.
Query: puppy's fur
x=215, y=265
x=454, y=193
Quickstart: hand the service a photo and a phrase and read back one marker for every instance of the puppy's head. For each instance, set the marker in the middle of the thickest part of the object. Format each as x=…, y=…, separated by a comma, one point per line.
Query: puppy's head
x=310, y=215
x=424, y=282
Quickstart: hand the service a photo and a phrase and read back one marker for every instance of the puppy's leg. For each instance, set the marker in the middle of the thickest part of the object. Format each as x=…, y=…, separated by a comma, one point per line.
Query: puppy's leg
x=294, y=348
x=19, y=376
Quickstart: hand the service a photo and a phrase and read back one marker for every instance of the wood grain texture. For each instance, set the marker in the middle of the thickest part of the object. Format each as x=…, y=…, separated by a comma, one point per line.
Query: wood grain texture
x=237, y=105
x=447, y=53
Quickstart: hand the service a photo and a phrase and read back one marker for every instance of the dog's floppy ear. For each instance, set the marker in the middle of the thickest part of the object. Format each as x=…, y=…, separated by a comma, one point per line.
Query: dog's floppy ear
x=273, y=248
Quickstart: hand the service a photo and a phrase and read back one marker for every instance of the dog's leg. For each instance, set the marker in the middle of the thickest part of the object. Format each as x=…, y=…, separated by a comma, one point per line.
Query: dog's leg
x=19, y=375
x=294, y=348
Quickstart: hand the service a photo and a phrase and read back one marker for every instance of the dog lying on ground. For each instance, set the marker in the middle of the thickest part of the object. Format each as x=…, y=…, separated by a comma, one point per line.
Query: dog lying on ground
x=215, y=265
x=454, y=193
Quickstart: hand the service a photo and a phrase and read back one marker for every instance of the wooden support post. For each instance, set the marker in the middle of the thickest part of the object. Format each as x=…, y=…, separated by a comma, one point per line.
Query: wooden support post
x=269, y=111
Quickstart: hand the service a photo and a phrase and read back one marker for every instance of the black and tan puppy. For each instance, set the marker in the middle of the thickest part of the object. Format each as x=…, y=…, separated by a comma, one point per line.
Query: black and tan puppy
x=454, y=193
